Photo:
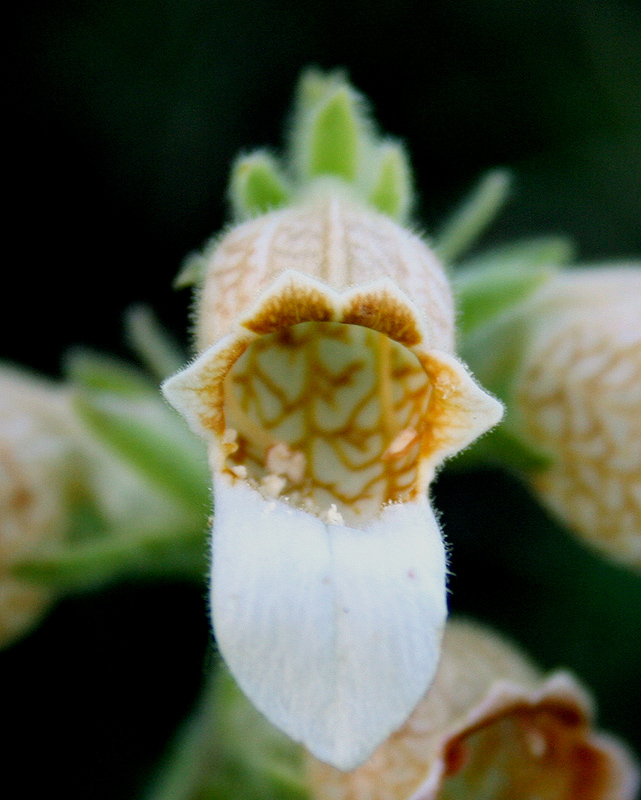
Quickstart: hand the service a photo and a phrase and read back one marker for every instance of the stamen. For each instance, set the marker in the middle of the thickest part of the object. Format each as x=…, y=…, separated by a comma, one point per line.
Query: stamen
x=229, y=443
x=334, y=517
x=272, y=485
x=401, y=444
x=229, y=435
x=385, y=391
x=280, y=460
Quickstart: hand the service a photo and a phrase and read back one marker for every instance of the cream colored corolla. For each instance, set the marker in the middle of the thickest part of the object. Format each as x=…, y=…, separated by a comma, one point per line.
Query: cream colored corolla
x=327, y=390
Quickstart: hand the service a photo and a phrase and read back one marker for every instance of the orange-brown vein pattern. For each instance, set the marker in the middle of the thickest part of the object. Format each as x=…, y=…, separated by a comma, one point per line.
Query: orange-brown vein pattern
x=332, y=240
x=581, y=400
x=341, y=395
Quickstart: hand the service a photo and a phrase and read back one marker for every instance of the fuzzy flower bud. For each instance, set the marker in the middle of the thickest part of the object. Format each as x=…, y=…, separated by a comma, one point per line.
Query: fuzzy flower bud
x=490, y=728
x=35, y=469
x=328, y=393
x=577, y=395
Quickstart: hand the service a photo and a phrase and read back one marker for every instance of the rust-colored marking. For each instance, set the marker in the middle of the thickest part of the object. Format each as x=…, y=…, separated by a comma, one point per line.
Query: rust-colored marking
x=384, y=313
x=357, y=399
x=294, y=304
x=210, y=390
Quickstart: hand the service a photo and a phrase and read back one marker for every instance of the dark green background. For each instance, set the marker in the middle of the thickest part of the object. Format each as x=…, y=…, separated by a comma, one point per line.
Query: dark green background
x=123, y=118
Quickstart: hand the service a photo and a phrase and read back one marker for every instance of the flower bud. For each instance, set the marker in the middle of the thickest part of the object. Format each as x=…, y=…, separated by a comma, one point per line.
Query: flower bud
x=489, y=728
x=577, y=395
x=35, y=470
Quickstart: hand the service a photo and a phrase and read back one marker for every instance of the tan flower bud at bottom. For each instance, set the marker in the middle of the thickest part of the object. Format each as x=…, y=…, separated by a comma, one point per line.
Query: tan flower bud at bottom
x=34, y=467
x=489, y=728
x=578, y=395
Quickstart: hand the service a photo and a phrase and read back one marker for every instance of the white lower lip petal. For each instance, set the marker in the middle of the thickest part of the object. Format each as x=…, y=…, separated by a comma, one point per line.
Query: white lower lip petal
x=332, y=631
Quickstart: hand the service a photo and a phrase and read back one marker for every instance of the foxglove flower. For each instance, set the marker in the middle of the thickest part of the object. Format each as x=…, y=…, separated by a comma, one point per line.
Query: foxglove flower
x=328, y=392
x=490, y=728
x=36, y=470
x=577, y=395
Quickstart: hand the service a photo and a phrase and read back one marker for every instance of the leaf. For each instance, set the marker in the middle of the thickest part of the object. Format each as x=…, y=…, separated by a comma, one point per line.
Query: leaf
x=97, y=371
x=153, y=439
x=502, y=447
x=484, y=292
x=476, y=212
x=116, y=555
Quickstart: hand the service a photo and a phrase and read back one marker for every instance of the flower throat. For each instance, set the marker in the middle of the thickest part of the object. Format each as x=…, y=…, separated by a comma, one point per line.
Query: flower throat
x=329, y=417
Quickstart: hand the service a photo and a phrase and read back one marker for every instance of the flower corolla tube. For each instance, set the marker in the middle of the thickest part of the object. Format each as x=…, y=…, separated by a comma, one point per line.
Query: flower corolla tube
x=328, y=392
x=577, y=394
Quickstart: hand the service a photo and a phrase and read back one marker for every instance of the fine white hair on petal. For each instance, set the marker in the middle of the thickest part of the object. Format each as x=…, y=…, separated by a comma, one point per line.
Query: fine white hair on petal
x=333, y=632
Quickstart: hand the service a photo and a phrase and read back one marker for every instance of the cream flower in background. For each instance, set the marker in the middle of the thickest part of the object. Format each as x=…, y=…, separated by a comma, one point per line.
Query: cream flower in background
x=490, y=728
x=35, y=472
x=328, y=393
x=577, y=395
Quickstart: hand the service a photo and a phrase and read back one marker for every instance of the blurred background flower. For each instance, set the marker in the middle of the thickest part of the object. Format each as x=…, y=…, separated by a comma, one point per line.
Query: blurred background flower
x=38, y=473
x=125, y=119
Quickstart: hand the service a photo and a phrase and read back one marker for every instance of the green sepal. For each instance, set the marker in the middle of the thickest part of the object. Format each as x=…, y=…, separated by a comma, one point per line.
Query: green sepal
x=462, y=228
x=334, y=140
x=502, y=447
x=312, y=86
x=257, y=185
x=329, y=127
x=227, y=750
x=179, y=553
x=191, y=272
x=153, y=439
x=392, y=190
x=194, y=266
